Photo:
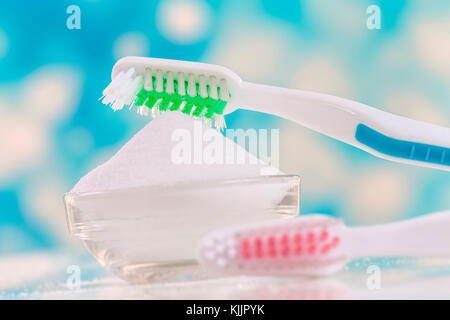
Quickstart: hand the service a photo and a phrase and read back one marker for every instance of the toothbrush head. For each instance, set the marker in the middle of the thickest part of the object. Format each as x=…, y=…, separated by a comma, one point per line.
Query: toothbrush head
x=203, y=91
x=308, y=245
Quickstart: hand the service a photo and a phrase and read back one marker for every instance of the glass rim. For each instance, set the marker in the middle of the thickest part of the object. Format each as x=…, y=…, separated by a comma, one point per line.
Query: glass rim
x=186, y=184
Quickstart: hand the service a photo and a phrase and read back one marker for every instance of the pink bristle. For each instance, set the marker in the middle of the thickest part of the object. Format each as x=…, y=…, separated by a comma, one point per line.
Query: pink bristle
x=312, y=249
x=270, y=246
x=325, y=248
x=309, y=245
x=271, y=241
x=258, y=247
x=245, y=248
x=335, y=241
x=285, y=239
x=324, y=235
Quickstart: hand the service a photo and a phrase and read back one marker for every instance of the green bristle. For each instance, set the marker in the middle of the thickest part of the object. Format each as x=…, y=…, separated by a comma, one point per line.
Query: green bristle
x=197, y=106
x=210, y=109
x=141, y=97
x=166, y=97
x=151, y=99
x=189, y=104
x=199, y=102
x=176, y=99
x=176, y=102
x=220, y=107
x=164, y=104
x=198, y=111
x=211, y=104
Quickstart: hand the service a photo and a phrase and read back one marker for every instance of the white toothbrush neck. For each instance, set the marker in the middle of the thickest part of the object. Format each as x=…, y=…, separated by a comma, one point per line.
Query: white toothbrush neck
x=426, y=236
x=340, y=123
x=385, y=135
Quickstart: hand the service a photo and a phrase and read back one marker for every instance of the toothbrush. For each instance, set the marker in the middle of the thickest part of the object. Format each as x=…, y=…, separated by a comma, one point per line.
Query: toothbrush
x=319, y=245
x=207, y=92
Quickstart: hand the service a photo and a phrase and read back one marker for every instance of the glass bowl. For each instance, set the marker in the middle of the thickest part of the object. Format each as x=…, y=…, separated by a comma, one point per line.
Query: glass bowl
x=150, y=234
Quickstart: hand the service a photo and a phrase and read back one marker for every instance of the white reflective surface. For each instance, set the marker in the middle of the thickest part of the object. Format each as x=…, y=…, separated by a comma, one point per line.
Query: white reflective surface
x=46, y=277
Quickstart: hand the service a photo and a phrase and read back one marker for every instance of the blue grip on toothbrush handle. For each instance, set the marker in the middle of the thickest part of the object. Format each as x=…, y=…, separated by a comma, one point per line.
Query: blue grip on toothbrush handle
x=401, y=148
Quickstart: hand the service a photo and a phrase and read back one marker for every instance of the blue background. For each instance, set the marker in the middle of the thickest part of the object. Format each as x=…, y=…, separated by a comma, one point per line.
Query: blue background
x=53, y=129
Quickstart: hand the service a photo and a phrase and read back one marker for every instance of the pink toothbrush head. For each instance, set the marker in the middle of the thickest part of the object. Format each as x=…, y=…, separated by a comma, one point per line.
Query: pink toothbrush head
x=308, y=245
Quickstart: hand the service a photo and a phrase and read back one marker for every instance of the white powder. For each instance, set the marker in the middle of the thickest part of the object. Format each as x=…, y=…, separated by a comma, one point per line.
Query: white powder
x=152, y=157
x=157, y=222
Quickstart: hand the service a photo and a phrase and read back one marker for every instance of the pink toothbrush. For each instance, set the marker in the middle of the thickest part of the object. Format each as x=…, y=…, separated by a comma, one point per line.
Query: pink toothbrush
x=319, y=244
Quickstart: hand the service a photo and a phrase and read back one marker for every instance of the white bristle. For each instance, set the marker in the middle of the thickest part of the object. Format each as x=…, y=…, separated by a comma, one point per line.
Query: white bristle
x=191, y=90
x=223, y=90
x=181, y=86
x=123, y=91
x=113, y=84
x=156, y=106
x=182, y=105
x=219, y=121
x=117, y=86
x=222, y=262
x=210, y=255
x=119, y=99
x=123, y=80
x=220, y=248
x=119, y=80
x=130, y=94
x=213, y=87
x=202, y=87
x=148, y=84
x=143, y=111
x=155, y=112
x=118, y=90
x=117, y=105
x=209, y=243
x=232, y=252
x=169, y=86
x=159, y=81
x=207, y=122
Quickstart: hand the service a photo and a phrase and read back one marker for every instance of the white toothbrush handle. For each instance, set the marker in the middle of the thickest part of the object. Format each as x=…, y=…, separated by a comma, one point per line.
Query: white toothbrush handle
x=426, y=236
x=380, y=133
